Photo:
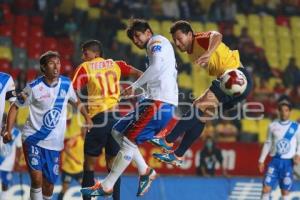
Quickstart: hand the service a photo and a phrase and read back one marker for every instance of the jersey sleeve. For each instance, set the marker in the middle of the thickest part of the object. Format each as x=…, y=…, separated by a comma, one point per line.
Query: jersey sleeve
x=25, y=97
x=10, y=90
x=266, y=147
x=72, y=94
x=80, y=78
x=298, y=140
x=156, y=60
x=203, y=38
x=125, y=68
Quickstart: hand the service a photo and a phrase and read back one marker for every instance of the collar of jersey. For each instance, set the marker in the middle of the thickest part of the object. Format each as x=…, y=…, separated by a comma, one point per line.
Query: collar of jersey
x=286, y=122
x=50, y=86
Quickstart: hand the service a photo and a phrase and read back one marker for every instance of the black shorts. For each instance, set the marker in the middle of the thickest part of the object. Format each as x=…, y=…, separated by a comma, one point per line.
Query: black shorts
x=227, y=100
x=100, y=136
x=67, y=177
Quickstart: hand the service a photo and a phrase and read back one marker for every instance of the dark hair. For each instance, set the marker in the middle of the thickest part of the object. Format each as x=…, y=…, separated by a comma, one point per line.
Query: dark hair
x=45, y=57
x=285, y=102
x=137, y=25
x=93, y=45
x=182, y=25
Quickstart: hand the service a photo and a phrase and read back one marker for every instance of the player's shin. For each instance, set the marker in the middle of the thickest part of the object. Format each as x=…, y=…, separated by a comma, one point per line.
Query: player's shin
x=121, y=162
x=189, y=138
x=265, y=196
x=188, y=120
x=140, y=162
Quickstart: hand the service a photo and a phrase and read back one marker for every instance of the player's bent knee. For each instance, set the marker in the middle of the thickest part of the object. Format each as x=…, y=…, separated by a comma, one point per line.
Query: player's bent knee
x=266, y=189
x=117, y=136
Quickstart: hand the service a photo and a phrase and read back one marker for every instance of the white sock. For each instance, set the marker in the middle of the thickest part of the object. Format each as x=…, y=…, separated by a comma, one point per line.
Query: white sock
x=36, y=194
x=285, y=197
x=121, y=162
x=117, y=136
x=140, y=162
x=47, y=197
x=3, y=195
x=265, y=196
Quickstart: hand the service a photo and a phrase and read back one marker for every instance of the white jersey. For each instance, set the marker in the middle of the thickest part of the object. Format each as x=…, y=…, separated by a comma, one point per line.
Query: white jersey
x=8, y=151
x=283, y=140
x=6, y=86
x=46, y=124
x=161, y=73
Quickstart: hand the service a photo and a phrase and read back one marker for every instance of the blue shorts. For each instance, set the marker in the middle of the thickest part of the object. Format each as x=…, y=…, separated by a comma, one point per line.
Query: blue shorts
x=280, y=170
x=6, y=178
x=146, y=120
x=228, y=101
x=44, y=160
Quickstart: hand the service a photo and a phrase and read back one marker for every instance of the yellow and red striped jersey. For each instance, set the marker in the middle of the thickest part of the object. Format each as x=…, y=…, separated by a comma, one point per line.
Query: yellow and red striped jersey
x=102, y=78
x=221, y=59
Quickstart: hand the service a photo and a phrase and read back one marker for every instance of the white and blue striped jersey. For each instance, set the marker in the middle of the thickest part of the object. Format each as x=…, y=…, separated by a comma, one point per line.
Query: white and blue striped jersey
x=6, y=85
x=161, y=73
x=46, y=124
x=8, y=151
x=283, y=140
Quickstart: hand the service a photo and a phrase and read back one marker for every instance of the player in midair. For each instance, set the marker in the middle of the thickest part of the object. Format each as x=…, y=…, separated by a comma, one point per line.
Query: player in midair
x=283, y=145
x=207, y=50
x=150, y=115
x=43, y=133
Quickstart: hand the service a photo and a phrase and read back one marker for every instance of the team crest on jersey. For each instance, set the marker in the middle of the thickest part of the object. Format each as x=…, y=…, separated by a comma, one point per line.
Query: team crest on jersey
x=283, y=146
x=51, y=118
x=34, y=161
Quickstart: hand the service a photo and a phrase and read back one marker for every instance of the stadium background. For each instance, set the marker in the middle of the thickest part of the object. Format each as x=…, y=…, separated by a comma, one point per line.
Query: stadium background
x=266, y=32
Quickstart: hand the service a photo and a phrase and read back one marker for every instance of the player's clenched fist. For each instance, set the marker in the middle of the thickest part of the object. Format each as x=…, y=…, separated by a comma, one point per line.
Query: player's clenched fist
x=7, y=137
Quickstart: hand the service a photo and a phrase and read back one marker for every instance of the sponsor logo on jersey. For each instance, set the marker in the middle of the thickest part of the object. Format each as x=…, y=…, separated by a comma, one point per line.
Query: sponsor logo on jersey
x=51, y=118
x=283, y=146
x=156, y=48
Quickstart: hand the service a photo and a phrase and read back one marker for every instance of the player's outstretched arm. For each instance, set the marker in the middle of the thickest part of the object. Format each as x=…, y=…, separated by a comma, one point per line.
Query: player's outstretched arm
x=10, y=122
x=215, y=38
x=128, y=70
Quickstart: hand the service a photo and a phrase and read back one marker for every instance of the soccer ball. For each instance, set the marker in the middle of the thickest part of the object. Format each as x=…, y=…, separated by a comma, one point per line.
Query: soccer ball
x=233, y=82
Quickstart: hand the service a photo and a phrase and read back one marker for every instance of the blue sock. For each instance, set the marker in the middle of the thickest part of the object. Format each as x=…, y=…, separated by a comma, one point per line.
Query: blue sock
x=116, y=193
x=185, y=124
x=189, y=138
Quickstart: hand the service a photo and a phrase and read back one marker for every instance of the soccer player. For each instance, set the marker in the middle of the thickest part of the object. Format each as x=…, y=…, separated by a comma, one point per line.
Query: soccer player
x=150, y=115
x=283, y=145
x=72, y=161
x=8, y=153
x=101, y=77
x=43, y=133
x=207, y=50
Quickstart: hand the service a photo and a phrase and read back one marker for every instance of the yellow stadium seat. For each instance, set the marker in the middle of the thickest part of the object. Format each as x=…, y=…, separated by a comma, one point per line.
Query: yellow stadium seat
x=273, y=81
x=241, y=19
x=155, y=26
x=122, y=37
x=165, y=29
x=250, y=126
x=295, y=22
x=94, y=13
x=283, y=32
x=66, y=7
x=263, y=125
x=254, y=22
x=268, y=22
x=22, y=116
x=185, y=81
x=82, y=5
x=210, y=26
x=295, y=114
x=197, y=26
x=5, y=53
x=237, y=30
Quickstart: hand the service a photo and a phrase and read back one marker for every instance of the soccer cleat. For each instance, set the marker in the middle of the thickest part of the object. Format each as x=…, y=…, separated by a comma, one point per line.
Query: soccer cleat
x=169, y=158
x=145, y=181
x=161, y=142
x=96, y=190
